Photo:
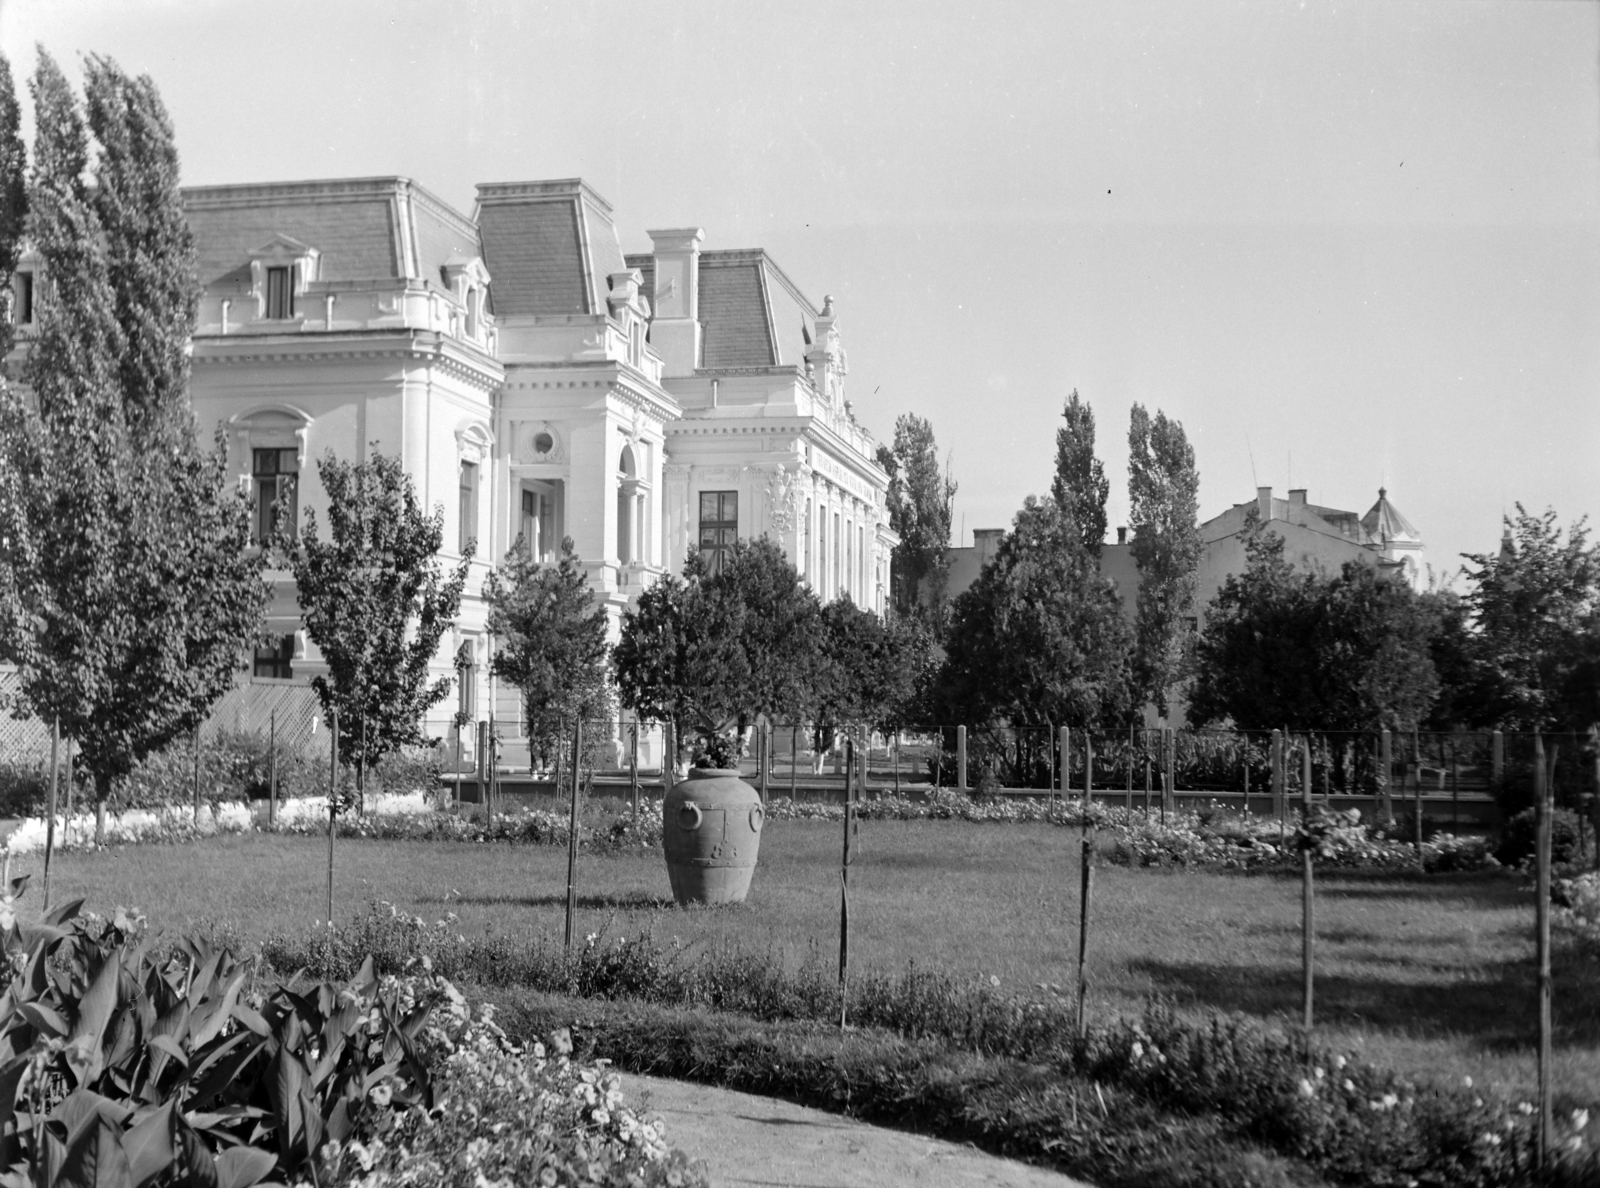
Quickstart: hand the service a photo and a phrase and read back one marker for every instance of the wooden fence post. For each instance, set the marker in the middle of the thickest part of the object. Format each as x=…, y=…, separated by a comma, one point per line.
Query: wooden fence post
x=1308, y=942
x=1144, y=738
x=333, y=802
x=572, y=827
x=50, y=808
x=794, y=762
x=1086, y=888
x=844, y=889
x=1541, y=800
x=1088, y=777
x=1169, y=789
x=961, y=757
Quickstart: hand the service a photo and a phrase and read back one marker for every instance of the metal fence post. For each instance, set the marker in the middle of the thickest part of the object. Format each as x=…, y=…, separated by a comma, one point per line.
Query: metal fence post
x=961, y=757
x=1128, y=803
x=50, y=808
x=272, y=774
x=333, y=801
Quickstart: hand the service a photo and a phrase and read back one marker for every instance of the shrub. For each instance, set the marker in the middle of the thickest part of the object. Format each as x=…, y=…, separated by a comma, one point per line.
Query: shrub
x=177, y=1068
x=1519, y=836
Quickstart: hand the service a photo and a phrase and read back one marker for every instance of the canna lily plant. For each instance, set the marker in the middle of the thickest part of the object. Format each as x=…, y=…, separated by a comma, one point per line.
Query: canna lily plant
x=122, y=1068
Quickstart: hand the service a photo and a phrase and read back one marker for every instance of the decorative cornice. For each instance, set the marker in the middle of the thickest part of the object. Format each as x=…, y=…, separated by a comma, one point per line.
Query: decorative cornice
x=275, y=349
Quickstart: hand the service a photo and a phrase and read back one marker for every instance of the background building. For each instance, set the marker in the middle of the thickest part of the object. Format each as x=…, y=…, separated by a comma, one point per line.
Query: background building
x=535, y=383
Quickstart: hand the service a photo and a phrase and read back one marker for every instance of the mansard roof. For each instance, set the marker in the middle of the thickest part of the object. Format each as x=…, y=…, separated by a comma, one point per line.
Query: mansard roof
x=551, y=247
x=366, y=228
x=752, y=313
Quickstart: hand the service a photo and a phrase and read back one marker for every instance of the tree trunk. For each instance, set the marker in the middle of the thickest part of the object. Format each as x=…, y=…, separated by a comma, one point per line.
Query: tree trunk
x=102, y=793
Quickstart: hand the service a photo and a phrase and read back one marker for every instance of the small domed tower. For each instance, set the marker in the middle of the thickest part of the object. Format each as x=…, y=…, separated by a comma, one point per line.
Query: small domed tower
x=1397, y=540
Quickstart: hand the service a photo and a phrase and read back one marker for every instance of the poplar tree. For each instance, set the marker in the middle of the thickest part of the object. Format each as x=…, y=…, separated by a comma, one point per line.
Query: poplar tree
x=1080, y=487
x=1164, y=493
x=134, y=591
x=919, y=500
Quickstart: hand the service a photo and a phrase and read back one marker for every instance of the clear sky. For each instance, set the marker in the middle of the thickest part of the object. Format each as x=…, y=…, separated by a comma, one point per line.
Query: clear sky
x=1344, y=243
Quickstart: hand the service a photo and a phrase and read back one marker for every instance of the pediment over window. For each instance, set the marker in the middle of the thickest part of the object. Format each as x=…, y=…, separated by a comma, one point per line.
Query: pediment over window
x=280, y=270
x=474, y=440
x=264, y=426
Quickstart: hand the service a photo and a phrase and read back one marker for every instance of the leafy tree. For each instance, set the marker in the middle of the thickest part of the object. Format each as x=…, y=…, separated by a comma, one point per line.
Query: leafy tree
x=1287, y=647
x=713, y=652
x=1039, y=638
x=550, y=642
x=869, y=672
x=1164, y=491
x=131, y=588
x=374, y=601
x=1535, y=610
x=1080, y=486
x=13, y=200
x=920, y=498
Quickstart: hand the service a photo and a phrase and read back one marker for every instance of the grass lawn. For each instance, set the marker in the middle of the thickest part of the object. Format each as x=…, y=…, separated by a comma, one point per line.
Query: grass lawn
x=1429, y=975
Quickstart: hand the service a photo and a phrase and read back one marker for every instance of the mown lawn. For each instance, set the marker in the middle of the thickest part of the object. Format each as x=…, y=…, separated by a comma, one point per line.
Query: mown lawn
x=1432, y=975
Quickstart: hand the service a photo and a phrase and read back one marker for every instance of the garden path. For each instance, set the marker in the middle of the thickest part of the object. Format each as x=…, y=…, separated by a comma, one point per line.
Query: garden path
x=761, y=1142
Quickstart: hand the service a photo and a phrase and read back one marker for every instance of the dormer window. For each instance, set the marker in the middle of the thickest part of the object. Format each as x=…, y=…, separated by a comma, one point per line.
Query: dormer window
x=280, y=270
x=280, y=292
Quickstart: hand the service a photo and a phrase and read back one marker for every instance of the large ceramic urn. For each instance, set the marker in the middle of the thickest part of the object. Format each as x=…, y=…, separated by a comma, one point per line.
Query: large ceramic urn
x=711, y=827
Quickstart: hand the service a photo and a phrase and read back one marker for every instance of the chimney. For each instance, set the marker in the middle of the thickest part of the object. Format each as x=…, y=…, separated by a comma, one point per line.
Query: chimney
x=1122, y=536
x=675, y=332
x=1264, y=503
x=1297, y=504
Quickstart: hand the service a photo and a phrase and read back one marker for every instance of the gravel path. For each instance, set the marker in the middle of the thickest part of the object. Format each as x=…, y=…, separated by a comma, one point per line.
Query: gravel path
x=760, y=1142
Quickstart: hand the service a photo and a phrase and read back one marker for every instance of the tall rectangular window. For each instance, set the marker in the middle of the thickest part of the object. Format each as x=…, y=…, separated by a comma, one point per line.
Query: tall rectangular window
x=24, y=298
x=280, y=292
x=276, y=659
x=719, y=525
x=468, y=530
x=274, y=472
x=530, y=524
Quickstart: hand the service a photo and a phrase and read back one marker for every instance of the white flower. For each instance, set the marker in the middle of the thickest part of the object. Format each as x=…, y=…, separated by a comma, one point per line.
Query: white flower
x=1466, y=1082
x=1307, y=1089
x=1580, y=1119
x=1339, y=1062
x=1349, y=1085
x=1390, y=1101
x=1318, y=1073
x=1138, y=1050
x=1524, y=1108
x=1492, y=1139
x=381, y=1094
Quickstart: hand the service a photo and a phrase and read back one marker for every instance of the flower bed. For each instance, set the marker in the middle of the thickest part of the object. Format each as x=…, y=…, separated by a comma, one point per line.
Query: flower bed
x=412, y=816
x=1205, y=839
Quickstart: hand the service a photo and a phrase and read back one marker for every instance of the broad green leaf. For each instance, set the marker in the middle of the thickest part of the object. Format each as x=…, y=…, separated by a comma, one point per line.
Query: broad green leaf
x=165, y=1043
x=65, y=912
x=242, y=1167
x=94, y=1011
x=43, y=1018
x=95, y=1159
x=220, y=1013
x=149, y=1145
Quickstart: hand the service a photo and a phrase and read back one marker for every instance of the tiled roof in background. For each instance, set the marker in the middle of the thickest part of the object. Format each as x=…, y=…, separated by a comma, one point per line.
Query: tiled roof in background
x=733, y=310
x=364, y=228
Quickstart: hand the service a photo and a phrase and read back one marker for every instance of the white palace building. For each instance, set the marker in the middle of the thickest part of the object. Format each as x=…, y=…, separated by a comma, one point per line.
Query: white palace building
x=536, y=383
